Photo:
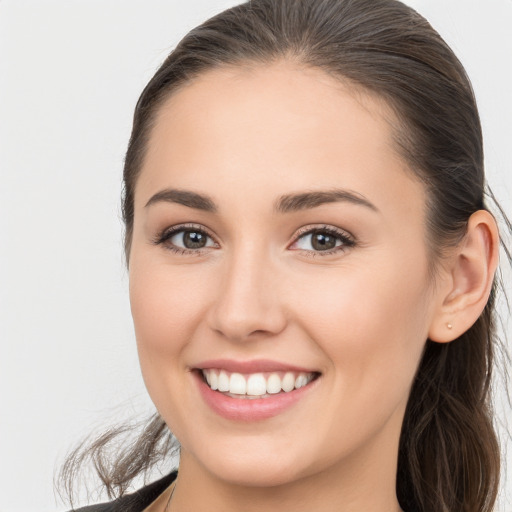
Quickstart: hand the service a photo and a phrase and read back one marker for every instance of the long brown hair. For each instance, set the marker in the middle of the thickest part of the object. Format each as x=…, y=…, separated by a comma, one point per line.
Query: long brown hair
x=449, y=456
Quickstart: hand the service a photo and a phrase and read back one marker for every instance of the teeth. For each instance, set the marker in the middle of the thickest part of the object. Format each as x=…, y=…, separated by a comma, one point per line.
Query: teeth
x=223, y=382
x=237, y=384
x=288, y=382
x=255, y=384
x=273, y=384
x=301, y=381
x=214, y=381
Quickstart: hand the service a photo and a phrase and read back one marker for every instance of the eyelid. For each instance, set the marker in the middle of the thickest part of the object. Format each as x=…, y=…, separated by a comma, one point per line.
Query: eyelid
x=322, y=227
x=347, y=238
x=165, y=234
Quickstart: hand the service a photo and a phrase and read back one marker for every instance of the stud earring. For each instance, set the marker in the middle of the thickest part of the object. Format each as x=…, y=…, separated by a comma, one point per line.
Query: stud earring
x=449, y=326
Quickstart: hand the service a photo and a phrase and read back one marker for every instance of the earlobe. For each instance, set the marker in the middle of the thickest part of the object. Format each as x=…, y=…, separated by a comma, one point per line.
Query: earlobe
x=469, y=279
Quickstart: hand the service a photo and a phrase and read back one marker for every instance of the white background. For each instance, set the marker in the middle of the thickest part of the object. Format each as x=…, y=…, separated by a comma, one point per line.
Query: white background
x=70, y=74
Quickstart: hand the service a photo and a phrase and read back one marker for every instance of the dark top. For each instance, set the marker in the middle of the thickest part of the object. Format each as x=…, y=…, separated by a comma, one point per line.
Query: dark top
x=135, y=502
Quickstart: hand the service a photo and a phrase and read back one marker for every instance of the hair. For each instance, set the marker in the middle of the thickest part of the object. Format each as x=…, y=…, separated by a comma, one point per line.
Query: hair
x=449, y=456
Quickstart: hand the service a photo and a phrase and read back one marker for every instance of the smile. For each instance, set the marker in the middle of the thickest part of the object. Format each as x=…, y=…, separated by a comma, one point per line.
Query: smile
x=253, y=391
x=255, y=385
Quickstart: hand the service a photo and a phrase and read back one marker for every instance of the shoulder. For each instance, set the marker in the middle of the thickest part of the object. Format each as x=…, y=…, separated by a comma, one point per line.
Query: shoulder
x=134, y=502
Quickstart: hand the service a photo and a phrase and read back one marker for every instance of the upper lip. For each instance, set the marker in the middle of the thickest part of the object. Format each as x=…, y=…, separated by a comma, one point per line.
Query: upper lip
x=254, y=366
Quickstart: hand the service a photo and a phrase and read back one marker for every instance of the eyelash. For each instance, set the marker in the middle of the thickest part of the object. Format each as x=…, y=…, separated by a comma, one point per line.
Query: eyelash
x=347, y=241
x=168, y=233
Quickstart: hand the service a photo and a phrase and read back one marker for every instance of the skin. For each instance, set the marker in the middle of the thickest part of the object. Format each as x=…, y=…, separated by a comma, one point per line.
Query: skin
x=360, y=316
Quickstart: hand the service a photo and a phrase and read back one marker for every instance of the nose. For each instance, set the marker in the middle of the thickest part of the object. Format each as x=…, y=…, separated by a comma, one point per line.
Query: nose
x=248, y=303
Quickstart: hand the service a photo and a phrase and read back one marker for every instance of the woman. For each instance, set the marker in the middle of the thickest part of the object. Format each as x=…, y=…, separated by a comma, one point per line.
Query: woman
x=312, y=267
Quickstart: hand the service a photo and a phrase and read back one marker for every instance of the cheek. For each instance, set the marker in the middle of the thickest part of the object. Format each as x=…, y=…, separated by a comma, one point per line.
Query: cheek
x=166, y=311
x=164, y=303
x=371, y=322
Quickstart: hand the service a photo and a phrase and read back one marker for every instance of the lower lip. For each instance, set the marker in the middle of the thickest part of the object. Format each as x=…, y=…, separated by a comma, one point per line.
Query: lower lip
x=246, y=409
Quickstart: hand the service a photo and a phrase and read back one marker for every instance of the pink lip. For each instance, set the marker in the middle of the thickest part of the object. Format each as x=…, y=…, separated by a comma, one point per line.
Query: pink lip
x=258, y=365
x=249, y=410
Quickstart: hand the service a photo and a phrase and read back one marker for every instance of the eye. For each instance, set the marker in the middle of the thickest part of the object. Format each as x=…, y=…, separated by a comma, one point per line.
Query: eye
x=185, y=239
x=325, y=240
x=190, y=240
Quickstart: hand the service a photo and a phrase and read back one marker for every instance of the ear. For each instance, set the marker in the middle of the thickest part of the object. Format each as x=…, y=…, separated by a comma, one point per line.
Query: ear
x=468, y=280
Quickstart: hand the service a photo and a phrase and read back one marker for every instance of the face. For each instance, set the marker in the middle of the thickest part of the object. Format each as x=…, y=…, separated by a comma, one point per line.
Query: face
x=279, y=253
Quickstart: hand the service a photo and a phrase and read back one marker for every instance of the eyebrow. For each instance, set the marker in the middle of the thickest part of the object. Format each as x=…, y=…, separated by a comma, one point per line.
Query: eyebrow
x=306, y=200
x=184, y=197
x=285, y=204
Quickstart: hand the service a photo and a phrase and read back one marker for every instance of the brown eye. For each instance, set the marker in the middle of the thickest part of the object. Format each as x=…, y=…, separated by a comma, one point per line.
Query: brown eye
x=325, y=240
x=194, y=240
x=187, y=240
x=321, y=241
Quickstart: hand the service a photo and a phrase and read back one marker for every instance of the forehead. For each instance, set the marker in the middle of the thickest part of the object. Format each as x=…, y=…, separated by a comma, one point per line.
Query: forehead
x=297, y=100
x=270, y=128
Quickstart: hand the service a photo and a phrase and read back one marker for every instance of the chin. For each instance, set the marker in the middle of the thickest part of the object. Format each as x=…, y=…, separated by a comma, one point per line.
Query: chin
x=262, y=466
x=255, y=473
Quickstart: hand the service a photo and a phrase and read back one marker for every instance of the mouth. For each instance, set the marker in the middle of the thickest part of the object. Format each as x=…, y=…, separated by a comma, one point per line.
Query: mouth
x=260, y=385
x=255, y=390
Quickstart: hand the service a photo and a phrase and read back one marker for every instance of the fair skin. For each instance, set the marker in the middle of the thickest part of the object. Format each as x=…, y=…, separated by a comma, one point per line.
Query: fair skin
x=355, y=313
